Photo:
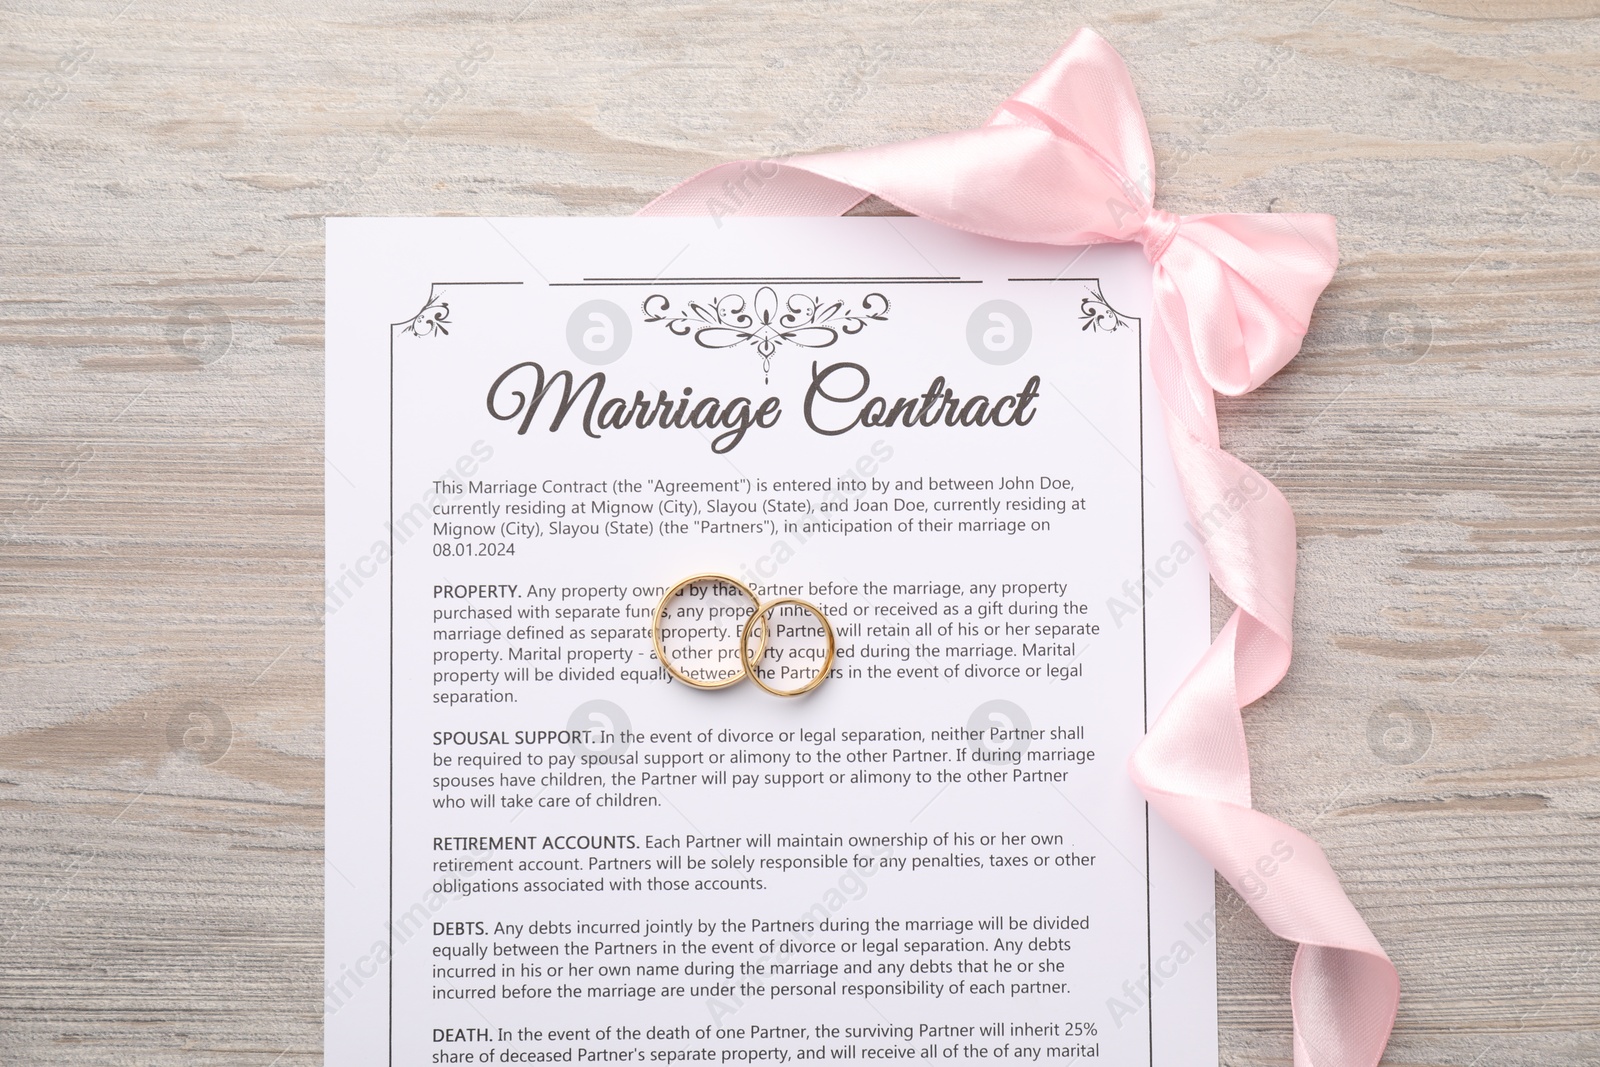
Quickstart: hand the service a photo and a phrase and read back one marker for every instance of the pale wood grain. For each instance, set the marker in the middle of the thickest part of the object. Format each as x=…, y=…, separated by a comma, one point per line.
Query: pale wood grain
x=160, y=523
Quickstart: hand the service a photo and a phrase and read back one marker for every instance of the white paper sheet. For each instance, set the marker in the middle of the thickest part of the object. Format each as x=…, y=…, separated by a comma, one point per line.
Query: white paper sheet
x=540, y=850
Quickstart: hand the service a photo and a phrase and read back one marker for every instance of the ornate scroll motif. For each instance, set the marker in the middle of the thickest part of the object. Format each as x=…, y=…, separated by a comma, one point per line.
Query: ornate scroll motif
x=1098, y=314
x=430, y=320
x=765, y=322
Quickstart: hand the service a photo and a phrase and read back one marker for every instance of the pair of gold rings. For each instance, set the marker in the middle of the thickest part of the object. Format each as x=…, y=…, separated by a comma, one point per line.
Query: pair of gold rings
x=747, y=659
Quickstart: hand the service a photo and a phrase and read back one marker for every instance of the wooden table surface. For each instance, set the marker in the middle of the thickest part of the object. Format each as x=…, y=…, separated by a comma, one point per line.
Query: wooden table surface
x=164, y=173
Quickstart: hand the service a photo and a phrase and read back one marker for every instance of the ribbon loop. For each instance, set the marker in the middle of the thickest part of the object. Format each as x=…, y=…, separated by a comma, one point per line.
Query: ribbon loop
x=1067, y=161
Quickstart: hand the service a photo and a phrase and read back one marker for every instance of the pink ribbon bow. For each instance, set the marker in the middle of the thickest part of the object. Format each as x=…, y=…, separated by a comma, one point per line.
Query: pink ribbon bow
x=1067, y=161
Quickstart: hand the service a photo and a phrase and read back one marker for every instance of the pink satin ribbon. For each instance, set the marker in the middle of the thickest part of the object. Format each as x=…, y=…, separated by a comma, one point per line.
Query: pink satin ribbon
x=1067, y=161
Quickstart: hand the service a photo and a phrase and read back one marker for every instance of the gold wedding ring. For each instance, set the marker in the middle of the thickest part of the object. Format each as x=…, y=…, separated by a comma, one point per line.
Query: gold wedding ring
x=747, y=659
x=661, y=611
x=750, y=661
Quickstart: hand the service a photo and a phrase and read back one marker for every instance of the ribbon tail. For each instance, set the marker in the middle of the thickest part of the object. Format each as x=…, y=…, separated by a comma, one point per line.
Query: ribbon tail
x=1058, y=192
x=754, y=187
x=1193, y=767
x=1344, y=989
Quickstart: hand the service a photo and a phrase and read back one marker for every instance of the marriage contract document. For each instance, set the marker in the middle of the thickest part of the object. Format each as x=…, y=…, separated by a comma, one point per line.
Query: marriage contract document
x=543, y=848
